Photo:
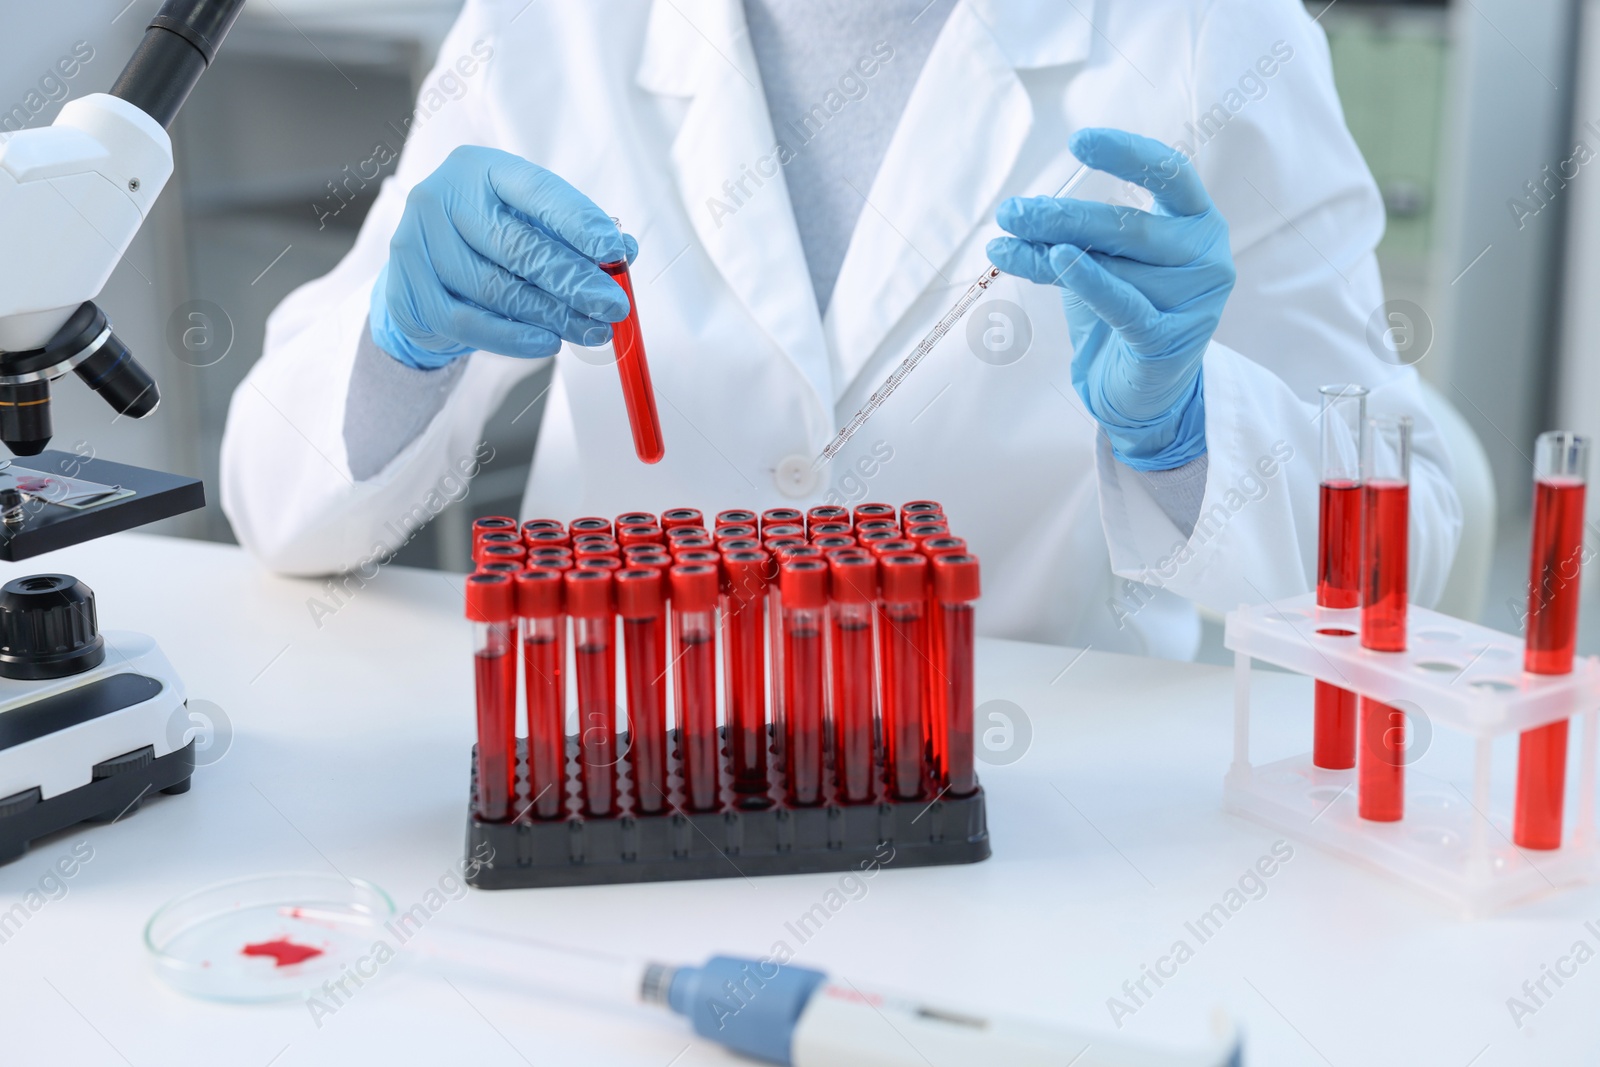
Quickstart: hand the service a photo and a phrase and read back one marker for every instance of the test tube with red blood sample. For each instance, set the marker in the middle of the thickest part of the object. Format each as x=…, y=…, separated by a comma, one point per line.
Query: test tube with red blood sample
x=1344, y=422
x=956, y=589
x=491, y=606
x=591, y=606
x=744, y=626
x=853, y=592
x=804, y=584
x=642, y=604
x=633, y=368
x=1385, y=490
x=543, y=624
x=674, y=518
x=694, y=603
x=1561, y=471
x=903, y=654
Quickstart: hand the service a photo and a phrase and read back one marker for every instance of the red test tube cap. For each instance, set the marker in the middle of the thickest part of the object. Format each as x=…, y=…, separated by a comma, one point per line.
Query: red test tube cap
x=499, y=554
x=599, y=563
x=538, y=593
x=746, y=572
x=599, y=547
x=641, y=593
x=876, y=526
x=557, y=565
x=588, y=592
x=499, y=566
x=820, y=528
x=800, y=551
x=828, y=513
x=590, y=524
x=782, y=517
x=903, y=576
x=955, y=578
x=738, y=544
x=490, y=598
x=898, y=546
x=739, y=529
x=941, y=546
x=639, y=534
x=546, y=539
x=735, y=517
x=674, y=518
x=804, y=584
x=781, y=529
x=874, y=511
x=707, y=556
x=854, y=578
x=677, y=533
x=921, y=531
x=694, y=587
x=636, y=518
x=833, y=541
x=778, y=544
x=493, y=524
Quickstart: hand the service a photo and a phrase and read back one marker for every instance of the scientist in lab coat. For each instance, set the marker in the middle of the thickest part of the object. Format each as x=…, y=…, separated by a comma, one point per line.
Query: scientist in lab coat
x=1125, y=426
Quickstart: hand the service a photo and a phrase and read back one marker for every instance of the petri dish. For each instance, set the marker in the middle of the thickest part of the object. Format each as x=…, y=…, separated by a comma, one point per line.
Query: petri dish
x=266, y=937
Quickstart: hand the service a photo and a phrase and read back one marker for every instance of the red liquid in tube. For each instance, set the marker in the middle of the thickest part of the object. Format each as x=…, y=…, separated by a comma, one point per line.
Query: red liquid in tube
x=904, y=652
x=590, y=604
x=1338, y=586
x=1552, y=635
x=744, y=655
x=804, y=584
x=956, y=587
x=694, y=602
x=1385, y=515
x=491, y=607
x=641, y=601
x=544, y=683
x=854, y=592
x=637, y=392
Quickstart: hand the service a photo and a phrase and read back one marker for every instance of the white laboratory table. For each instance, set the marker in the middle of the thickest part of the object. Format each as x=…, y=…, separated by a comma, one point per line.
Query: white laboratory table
x=349, y=753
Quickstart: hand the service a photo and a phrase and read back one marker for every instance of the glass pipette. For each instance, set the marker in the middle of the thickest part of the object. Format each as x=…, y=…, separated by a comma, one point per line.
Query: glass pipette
x=956, y=313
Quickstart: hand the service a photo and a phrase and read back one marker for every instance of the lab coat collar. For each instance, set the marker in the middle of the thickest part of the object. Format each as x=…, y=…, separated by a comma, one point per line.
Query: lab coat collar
x=946, y=167
x=730, y=180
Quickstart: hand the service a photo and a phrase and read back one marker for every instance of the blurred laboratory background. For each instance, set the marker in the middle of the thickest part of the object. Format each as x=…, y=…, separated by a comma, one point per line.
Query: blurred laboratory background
x=1469, y=113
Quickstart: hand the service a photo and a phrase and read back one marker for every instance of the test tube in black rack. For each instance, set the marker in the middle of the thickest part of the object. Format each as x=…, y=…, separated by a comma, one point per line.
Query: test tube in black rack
x=846, y=675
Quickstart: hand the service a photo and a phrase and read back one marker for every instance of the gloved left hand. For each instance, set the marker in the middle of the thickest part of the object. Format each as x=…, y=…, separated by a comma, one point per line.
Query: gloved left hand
x=1143, y=292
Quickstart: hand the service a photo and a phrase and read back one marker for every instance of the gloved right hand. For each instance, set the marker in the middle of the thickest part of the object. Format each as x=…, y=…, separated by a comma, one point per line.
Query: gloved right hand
x=496, y=253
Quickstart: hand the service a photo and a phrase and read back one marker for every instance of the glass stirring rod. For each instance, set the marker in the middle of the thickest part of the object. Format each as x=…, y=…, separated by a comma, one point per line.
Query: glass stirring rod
x=956, y=313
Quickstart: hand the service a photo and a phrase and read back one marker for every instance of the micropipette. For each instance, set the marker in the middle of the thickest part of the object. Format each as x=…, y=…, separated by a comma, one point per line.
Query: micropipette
x=782, y=1013
x=957, y=312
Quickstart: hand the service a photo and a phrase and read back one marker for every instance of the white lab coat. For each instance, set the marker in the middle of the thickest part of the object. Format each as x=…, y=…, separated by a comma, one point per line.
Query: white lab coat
x=654, y=108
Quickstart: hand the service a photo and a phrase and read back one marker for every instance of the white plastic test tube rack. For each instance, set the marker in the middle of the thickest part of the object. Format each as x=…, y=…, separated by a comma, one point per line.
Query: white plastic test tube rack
x=1461, y=676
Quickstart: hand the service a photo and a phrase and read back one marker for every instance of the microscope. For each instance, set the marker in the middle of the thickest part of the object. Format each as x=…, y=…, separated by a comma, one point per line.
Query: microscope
x=91, y=723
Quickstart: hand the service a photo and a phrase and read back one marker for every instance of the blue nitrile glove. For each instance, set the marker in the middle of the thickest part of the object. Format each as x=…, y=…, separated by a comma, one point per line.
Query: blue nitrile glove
x=498, y=254
x=1143, y=293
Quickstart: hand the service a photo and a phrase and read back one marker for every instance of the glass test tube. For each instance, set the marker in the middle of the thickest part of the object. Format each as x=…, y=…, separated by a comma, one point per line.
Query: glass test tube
x=1561, y=472
x=1344, y=424
x=634, y=369
x=804, y=584
x=695, y=587
x=641, y=601
x=956, y=587
x=491, y=606
x=543, y=624
x=1385, y=517
x=853, y=587
x=591, y=606
x=744, y=606
x=903, y=579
